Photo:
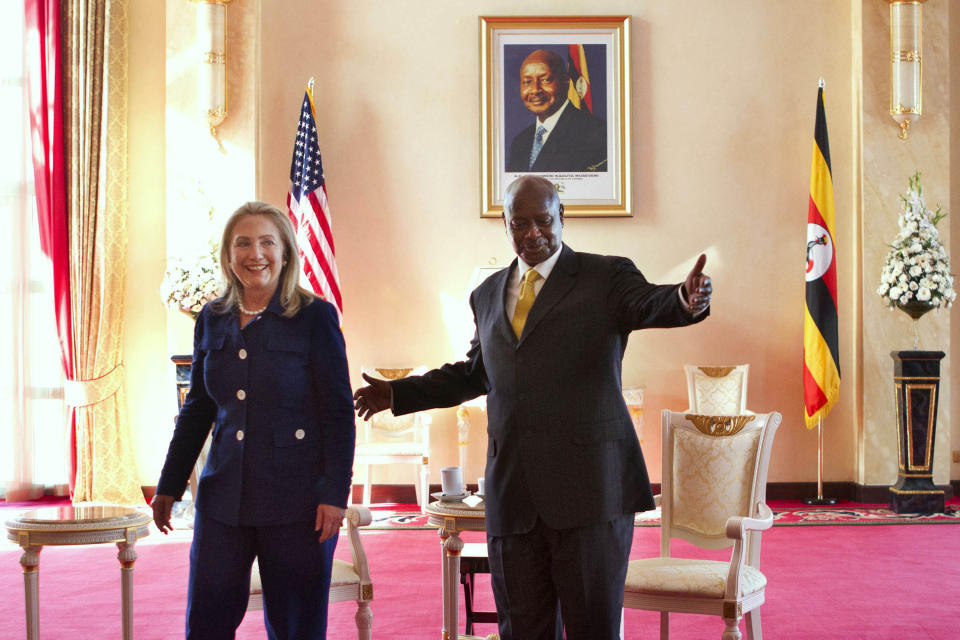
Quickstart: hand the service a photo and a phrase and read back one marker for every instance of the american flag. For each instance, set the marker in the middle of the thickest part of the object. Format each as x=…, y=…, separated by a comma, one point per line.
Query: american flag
x=309, y=210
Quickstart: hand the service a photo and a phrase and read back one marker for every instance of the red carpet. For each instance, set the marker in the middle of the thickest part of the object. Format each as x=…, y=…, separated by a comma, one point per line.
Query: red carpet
x=824, y=582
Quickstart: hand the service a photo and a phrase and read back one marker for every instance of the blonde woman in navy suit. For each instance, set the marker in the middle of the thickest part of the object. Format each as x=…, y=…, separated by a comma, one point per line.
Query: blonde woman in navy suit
x=270, y=375
x=564, y=473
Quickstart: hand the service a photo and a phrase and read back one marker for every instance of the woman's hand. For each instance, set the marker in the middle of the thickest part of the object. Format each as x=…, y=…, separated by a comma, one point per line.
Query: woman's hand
x=162, y=507
x=329, y=521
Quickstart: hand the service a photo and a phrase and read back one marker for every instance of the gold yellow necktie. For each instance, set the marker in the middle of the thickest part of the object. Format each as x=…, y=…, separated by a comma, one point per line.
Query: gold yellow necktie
x=524, y=301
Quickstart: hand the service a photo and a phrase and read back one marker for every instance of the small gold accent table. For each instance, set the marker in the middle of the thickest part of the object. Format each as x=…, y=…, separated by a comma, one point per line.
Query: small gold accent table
x=452, y=518
x=77, y=525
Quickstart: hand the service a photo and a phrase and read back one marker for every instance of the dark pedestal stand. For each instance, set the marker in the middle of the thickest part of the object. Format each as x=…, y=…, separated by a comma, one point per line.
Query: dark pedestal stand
x=183, y=509
x=183, y=365
x=916, y=380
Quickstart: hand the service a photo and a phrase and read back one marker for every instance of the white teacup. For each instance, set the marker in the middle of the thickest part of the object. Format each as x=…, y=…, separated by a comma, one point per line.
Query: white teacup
x=480, y=486
x=451, y=481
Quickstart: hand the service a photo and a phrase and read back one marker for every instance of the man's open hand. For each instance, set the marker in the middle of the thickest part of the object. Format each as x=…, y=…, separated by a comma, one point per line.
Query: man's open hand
x=373, y=398
x=698, y=287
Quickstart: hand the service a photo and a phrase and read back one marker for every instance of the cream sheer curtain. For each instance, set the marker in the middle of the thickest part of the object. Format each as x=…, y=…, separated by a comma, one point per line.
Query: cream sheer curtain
x=34, y=442
x=94, y=81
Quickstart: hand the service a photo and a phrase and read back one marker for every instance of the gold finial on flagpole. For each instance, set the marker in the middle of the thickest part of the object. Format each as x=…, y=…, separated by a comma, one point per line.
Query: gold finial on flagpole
x=820, y=82
x=310, y=84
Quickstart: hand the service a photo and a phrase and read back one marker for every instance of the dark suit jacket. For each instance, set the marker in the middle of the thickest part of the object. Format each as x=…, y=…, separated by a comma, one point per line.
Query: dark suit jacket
x=287, y=445
x=561, y=444
x=577, y=143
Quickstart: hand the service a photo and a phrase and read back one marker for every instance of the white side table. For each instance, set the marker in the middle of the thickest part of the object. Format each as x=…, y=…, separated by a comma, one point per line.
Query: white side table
x=452, y=518
x=77, y=525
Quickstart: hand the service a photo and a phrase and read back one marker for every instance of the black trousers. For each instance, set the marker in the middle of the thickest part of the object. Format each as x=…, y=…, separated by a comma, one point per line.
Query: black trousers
x=580, y=571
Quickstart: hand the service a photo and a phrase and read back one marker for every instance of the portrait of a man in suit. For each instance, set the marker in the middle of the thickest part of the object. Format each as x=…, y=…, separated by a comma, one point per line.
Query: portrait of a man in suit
x=564, y=471
x=564, y=136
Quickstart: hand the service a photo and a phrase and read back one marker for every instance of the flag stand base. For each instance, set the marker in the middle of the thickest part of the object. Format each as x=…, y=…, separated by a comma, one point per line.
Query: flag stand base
x=819, y=500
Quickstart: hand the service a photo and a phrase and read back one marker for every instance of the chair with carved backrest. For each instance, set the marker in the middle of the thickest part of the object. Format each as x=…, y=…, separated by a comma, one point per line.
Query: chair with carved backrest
x=390, y=439
x=348, y=580
x=714, y=497
x=720, y=391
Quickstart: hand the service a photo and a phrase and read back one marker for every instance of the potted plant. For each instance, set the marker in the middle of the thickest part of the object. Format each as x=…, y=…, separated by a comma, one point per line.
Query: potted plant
x=188, y=284
x=916, y=273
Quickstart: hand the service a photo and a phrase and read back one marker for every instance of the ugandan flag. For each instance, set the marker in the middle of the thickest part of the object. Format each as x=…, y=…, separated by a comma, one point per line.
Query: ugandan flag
x=579, y=92
x=821, y=358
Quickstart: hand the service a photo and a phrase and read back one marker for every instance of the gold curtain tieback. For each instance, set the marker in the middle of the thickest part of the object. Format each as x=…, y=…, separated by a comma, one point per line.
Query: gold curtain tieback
x=82, y=393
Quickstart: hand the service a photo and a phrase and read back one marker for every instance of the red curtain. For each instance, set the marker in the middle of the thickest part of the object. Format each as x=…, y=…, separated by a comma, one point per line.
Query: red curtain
x=44, y=58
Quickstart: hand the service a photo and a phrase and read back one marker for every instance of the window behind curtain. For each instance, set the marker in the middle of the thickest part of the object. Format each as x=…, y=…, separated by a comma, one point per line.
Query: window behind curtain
x=34, y=441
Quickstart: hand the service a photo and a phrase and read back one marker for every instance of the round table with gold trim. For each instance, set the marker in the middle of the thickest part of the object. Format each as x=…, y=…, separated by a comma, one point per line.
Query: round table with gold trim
x=452, y=518
x=73, y=525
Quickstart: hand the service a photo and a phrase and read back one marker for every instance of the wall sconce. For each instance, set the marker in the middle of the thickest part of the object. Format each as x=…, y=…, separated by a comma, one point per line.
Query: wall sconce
x=212, y=71
x=906, y=76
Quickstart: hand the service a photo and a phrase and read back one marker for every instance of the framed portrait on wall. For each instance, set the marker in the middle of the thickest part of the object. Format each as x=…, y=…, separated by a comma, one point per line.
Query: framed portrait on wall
x=555, y=102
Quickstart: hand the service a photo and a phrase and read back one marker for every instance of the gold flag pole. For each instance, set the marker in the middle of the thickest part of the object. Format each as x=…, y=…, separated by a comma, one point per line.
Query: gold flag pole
x=819, y=500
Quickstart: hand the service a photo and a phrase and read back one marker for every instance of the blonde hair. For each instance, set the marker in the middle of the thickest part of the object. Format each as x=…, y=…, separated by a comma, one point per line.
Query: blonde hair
x=292, y=295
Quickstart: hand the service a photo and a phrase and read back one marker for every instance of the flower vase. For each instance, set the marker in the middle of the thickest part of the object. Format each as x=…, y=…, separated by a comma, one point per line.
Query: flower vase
x=915, y=309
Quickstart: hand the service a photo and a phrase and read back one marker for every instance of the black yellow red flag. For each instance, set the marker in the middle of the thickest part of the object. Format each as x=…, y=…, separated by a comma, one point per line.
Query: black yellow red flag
x=579, y=93
x=821, y=358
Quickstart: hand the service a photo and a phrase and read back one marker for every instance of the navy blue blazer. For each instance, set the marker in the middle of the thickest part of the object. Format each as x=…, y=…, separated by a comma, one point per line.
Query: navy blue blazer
x=561, y=444
x=277, y=393
x=578, y=142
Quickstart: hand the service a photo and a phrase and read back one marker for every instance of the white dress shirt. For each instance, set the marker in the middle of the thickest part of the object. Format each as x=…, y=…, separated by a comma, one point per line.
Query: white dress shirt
x=549, y=124
x=513, y=286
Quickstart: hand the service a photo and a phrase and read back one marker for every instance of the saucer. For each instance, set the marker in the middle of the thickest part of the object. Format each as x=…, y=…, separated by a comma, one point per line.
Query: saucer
x=451, y=497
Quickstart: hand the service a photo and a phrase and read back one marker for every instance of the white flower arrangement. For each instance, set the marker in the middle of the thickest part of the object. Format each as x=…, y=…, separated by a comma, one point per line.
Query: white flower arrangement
x=917, y=267
x=189, y=284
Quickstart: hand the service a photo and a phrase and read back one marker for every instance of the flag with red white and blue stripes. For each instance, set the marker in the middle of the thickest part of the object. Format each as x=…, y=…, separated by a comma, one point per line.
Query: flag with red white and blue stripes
x=309, y=210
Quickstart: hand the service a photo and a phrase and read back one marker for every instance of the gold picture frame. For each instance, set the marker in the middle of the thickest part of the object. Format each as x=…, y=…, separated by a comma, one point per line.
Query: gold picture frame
x=588, y=158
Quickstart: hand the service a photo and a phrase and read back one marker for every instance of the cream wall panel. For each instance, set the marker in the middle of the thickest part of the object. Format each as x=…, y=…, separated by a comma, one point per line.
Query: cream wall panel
x=723, y=105
x=206, y=172
x=955, y=227
x=144, y=341
x=723, y=96
x=887, y=162
x=177, y=171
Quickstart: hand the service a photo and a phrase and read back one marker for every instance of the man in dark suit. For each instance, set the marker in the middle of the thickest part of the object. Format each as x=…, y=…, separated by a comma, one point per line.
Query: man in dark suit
x=563, y=138
x=564, y=473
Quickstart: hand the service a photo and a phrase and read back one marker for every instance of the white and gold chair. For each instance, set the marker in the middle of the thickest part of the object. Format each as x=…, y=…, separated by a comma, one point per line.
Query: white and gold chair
x=714, y=496
x=349, y=580
x=389, y=439
x=720, y=391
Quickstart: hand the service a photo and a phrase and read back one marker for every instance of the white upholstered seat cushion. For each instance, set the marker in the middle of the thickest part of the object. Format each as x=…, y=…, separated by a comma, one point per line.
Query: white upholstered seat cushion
x=700, y=578
x=342, y=574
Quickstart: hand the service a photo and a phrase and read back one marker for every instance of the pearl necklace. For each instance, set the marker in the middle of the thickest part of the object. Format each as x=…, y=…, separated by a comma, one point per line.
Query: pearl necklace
x=253, y=312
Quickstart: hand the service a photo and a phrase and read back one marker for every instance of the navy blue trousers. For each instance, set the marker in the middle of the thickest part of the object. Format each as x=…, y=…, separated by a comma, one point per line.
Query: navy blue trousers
x=581, y=571
x=294, y=571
